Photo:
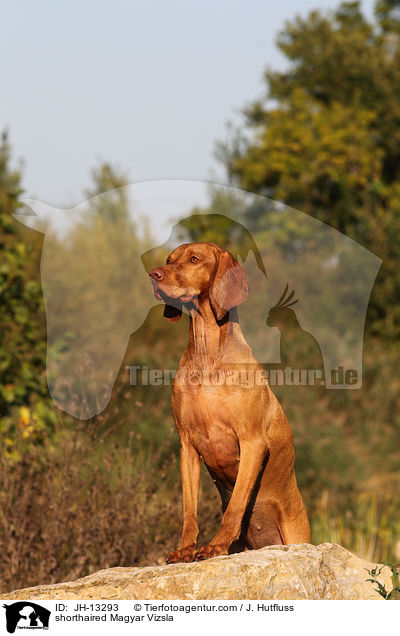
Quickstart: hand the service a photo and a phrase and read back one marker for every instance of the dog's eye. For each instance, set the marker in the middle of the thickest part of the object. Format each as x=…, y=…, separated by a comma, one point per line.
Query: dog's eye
x=194, y=259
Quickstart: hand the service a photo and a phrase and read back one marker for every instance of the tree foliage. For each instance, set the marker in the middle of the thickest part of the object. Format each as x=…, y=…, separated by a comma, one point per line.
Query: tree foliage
x=326, y=136
x=23, y=388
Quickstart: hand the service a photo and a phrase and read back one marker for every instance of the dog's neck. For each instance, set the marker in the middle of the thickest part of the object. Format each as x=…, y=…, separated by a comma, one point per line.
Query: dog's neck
x=209, y=337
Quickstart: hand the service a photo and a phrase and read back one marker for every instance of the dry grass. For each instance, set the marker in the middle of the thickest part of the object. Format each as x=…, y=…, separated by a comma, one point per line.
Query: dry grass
x=87, y=504
x=369, y=527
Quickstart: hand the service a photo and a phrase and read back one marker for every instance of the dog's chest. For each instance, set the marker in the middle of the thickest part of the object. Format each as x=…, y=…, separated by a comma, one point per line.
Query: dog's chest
x=205, y=415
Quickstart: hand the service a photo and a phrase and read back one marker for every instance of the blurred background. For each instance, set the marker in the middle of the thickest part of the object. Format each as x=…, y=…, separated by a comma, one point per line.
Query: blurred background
x=300, y=104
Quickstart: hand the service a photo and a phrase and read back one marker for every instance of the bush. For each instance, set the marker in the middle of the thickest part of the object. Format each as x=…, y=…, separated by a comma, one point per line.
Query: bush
x=87, y=503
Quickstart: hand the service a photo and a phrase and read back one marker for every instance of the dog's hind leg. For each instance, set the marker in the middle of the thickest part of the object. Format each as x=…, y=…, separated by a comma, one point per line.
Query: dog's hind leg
x=262, y=526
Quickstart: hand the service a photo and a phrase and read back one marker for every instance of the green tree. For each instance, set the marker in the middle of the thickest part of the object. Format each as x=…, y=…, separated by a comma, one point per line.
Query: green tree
x=96, y=288
x=326, y=137
x=23, y=388
x=113, y=208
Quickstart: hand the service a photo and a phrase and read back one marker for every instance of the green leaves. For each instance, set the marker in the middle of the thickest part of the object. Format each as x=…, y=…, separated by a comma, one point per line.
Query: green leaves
x=313, y=157
x=326, y=138
x=380, y=588
x=23, y=331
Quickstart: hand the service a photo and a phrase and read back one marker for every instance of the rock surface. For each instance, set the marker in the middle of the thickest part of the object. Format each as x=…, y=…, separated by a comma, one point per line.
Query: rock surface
x=302, y=571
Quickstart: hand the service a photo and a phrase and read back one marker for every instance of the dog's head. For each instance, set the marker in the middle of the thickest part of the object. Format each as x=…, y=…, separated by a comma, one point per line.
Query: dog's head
x=196, y=271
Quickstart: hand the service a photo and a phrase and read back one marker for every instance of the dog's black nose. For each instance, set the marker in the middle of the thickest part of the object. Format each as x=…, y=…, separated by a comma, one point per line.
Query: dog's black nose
x=157, y=274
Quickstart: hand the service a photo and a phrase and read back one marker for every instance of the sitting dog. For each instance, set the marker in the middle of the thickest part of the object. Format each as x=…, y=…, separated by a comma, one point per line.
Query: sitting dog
x=236, y=427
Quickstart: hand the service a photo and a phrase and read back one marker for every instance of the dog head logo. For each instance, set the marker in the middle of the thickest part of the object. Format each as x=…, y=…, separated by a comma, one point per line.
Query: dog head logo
x=96, y=289
x=26, y=615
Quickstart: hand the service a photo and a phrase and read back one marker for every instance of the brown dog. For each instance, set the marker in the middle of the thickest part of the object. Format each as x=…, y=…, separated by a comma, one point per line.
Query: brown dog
x=236, y=426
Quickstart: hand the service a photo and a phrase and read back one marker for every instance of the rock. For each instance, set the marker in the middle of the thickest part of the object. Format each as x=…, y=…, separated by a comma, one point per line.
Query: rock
x=301, y=571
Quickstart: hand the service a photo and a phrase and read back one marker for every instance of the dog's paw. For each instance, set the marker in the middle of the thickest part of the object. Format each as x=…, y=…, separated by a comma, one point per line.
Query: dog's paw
x=209, y=551
x=184, y=554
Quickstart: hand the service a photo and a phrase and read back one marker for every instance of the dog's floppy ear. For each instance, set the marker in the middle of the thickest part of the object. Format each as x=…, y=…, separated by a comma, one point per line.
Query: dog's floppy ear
x=229, y=287
x=172, y=313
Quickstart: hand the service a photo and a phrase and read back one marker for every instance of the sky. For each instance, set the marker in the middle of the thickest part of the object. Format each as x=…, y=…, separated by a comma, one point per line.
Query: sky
x=147, y=85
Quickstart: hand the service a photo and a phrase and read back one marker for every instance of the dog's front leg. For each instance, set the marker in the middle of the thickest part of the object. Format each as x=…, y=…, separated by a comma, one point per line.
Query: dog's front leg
x=252, y=455
x=190, y=477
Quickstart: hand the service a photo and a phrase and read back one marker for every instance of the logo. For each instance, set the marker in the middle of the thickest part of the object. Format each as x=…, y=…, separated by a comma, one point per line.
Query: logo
x=309, y=285
x=26, y=615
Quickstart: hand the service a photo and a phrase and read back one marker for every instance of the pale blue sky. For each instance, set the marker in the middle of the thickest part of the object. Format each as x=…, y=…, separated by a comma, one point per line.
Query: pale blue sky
x=148, y=85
